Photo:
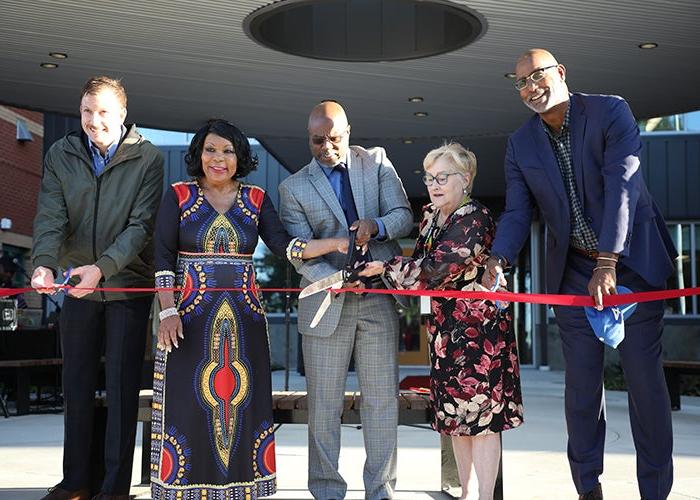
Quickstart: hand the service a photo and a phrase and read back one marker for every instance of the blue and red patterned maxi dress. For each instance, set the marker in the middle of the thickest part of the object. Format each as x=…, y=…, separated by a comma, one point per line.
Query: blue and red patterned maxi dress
x=474, y=371
x=212, y=406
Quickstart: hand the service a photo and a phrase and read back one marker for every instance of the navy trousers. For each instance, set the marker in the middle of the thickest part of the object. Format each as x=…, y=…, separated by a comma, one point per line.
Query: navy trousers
x=649, y=404
x=87, y=327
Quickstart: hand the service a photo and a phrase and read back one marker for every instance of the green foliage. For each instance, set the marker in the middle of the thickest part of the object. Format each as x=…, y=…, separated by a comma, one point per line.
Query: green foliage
x=272, y=273
x=614, y=379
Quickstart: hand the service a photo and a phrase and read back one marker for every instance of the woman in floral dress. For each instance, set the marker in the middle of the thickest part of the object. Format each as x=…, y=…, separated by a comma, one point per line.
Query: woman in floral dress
x=212, y=397
x=475, y=378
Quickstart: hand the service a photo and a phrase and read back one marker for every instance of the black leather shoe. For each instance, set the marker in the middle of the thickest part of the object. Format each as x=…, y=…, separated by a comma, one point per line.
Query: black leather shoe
x=58, y=493
x=106, y=496
x=595, y=494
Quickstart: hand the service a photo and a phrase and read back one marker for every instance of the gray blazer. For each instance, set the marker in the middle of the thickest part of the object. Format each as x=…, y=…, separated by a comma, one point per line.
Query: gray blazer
x=310, y=209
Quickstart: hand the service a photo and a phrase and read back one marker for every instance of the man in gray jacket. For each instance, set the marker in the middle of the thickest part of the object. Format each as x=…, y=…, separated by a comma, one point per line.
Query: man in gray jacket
x=348, y=187
x=97, y=205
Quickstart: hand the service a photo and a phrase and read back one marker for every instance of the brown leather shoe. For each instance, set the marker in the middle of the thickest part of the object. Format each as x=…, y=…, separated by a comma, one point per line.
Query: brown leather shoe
x=595, y=494
x=58, y=493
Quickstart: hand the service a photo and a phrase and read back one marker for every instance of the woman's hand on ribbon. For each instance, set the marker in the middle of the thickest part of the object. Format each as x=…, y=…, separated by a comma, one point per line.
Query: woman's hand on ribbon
x=374, y=268
x=493, y=274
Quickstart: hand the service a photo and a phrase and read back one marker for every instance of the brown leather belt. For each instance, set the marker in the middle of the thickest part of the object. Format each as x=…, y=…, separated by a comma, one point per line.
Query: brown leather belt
x=591, y=254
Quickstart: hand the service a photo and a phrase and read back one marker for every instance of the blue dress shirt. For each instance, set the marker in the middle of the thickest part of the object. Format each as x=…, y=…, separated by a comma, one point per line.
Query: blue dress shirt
x=99, y=162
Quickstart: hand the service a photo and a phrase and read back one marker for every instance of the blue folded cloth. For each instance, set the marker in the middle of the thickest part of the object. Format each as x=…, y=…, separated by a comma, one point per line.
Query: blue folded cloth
x=609, y=324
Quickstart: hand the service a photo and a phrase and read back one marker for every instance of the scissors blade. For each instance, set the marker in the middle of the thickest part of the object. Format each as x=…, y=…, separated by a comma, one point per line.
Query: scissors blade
x=324, y=305
x=321, y=310
x=323, y=284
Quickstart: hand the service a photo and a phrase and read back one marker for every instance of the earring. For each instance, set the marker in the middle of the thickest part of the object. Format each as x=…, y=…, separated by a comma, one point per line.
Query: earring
x=464, y=190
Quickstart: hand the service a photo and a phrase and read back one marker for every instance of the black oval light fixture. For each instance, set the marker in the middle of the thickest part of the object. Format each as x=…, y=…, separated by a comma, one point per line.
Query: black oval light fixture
x=510, y=75
x=420, y=114
x=49, y=65
x=407, y=140
x=648, y=45
x=58, y=55
x=415, y=99
x=364, y=31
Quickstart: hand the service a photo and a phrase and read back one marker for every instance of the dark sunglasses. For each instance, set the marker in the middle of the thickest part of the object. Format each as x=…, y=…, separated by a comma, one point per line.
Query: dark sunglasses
x=321, y=139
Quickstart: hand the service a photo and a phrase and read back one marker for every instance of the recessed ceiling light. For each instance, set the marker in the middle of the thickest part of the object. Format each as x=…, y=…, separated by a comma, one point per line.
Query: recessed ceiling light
x=510, y=75
x=648, y=45
x=49, y=65
x=415, y=99
x=417, y=171
x=407, y=140
x=420, y=114
x=58, y=55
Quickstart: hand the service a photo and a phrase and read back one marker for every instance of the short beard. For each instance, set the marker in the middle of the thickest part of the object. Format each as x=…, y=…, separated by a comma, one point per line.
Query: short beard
x=554, y=100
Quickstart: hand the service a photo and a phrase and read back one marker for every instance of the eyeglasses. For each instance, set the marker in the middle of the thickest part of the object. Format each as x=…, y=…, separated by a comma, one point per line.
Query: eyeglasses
x=441, y=179
x=535, y=76
x=321, y=139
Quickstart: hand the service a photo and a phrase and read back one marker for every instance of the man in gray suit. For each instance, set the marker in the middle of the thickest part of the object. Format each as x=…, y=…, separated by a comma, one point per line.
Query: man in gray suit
x=348, y=187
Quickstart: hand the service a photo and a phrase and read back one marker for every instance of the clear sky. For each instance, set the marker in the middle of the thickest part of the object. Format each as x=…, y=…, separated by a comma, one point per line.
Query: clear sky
x=170, y=138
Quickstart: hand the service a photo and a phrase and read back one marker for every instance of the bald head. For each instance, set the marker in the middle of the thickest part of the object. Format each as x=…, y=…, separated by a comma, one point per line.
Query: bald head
x=328, y=111
x=329, y=133
x=540, y=55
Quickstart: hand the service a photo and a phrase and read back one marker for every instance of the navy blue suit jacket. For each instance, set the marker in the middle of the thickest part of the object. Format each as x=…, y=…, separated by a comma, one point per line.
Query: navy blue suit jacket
x=605, y=147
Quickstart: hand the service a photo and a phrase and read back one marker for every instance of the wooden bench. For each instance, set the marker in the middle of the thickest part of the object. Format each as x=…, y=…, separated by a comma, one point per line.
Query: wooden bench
x=290, y=407
x=23, y=369
x=673, y=371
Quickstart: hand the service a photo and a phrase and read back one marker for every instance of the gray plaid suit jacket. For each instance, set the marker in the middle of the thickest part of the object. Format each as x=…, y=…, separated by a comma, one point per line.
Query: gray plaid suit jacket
x=310, y=209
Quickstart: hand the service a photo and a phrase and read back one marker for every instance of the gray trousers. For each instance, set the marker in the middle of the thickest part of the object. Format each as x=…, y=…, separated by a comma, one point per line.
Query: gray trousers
x=368, y=328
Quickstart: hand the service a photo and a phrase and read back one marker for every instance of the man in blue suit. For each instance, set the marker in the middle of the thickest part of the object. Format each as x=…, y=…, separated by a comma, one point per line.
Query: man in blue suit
x=577, y=161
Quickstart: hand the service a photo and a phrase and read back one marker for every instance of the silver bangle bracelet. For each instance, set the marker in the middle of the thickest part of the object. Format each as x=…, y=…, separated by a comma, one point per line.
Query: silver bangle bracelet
x=166, y=313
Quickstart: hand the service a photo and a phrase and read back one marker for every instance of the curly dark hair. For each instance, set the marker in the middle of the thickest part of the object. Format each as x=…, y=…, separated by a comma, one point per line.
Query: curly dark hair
x=247, y=161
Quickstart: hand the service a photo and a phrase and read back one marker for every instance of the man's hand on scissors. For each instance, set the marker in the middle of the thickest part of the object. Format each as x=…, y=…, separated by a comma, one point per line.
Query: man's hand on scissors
x=89, y=278
x=366, y=229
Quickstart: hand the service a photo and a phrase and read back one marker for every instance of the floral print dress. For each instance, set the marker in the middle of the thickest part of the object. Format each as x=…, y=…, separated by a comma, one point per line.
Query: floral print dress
x=474, y=375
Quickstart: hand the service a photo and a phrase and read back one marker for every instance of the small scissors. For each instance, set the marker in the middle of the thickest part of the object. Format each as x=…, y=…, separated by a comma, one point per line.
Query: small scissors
x=502, y=306
x=64, y=284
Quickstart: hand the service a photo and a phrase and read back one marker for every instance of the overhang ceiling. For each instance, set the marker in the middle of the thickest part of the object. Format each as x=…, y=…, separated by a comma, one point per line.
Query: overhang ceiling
x=183, y=62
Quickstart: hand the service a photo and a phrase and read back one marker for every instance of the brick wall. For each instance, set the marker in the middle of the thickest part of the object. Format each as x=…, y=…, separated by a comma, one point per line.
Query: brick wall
x=20, y=173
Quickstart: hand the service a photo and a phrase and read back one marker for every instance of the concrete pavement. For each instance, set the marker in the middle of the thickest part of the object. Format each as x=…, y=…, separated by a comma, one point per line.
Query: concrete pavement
x=534, y=456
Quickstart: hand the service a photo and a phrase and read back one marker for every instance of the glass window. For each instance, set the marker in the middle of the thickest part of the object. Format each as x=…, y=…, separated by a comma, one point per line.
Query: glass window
x=685, y=237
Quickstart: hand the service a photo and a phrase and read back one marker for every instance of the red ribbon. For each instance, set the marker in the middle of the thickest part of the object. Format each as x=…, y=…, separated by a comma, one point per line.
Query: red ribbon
x=530, y=298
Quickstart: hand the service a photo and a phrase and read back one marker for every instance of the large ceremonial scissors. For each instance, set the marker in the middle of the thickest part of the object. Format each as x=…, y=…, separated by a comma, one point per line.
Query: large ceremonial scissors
x=354, y=263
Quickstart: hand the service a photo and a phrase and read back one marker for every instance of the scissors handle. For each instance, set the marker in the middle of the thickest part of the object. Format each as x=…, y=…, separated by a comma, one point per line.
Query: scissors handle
x=500, y=305
x=66, y=280
x=355, y=261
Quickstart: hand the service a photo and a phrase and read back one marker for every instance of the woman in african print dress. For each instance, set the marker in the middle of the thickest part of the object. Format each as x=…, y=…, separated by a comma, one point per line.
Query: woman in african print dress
x=212, y=397
x=475, y=378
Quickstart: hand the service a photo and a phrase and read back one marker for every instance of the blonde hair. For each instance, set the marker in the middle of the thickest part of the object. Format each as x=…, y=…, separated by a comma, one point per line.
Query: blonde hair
x=460, y=157
x=97, y=84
